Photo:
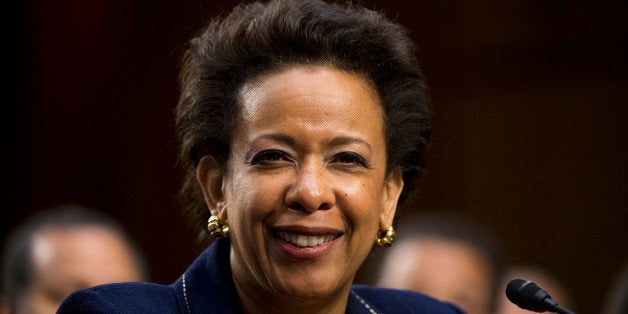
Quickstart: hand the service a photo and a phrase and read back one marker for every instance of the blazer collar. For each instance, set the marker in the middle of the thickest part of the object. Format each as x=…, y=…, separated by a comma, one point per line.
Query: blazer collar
x=209, y=286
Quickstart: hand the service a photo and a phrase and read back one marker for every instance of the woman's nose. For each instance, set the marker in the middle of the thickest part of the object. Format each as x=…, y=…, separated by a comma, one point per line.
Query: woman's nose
x=311, y=190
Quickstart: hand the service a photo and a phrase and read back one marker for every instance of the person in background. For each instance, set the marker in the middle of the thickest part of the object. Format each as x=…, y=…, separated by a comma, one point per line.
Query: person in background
x=62, y=249
x=447, y=255
x=617, y=295
x=302, y=123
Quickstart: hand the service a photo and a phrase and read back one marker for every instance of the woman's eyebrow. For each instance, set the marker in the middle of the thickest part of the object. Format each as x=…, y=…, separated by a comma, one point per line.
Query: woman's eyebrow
x=292, y=141
x=277, y=137
x=344, y=140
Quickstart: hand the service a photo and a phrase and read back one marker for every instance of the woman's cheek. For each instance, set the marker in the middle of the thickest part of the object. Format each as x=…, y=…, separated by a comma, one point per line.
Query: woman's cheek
x=262, y=194
x=358, y=188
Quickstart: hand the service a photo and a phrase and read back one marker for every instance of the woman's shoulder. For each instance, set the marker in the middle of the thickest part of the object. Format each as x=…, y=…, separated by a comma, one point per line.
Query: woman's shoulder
x=128, y=297
x=384, y=300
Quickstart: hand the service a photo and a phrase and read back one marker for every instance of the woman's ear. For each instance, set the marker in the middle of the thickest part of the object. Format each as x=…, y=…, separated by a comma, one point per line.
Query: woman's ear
x=209, y=177
x=392, y=190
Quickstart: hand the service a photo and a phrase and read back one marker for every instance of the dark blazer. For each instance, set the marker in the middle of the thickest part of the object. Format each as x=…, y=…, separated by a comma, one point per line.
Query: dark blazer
x=207, y=287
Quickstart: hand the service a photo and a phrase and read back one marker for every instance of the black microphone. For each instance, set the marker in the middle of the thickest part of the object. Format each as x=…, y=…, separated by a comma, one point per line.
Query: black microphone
x=528, y=296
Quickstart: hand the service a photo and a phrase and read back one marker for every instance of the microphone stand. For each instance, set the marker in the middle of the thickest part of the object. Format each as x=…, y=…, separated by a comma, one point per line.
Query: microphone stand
x=561, y=310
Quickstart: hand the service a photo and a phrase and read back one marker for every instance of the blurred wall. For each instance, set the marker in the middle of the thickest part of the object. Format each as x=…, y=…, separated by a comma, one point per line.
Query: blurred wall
x=530, y=131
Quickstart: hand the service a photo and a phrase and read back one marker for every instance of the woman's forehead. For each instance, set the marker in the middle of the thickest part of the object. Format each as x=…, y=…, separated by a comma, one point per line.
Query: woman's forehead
x=323, y=87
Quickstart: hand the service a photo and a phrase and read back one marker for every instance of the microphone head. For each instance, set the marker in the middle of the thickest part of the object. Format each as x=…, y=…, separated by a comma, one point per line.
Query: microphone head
x=527, y=295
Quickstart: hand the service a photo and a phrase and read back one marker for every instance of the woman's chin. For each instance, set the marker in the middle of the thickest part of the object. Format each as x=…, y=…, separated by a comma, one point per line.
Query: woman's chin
x=306, y=293
x=308, y=273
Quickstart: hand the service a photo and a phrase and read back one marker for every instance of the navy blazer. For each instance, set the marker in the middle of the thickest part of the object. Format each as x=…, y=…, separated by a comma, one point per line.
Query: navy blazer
x=207, y=287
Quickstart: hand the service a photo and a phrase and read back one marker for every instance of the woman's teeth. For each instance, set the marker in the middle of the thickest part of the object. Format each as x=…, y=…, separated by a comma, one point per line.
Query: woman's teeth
x=301, y=240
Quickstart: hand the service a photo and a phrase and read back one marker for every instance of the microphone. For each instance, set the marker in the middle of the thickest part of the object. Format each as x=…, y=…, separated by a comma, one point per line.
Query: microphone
x=528, y=296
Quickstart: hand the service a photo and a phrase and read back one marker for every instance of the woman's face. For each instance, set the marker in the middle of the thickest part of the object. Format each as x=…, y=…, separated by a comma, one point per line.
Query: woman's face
x=306, y=188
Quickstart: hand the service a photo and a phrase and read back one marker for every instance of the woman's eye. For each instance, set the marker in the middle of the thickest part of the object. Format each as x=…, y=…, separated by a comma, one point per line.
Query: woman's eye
x=268, y=156
x=351, y=158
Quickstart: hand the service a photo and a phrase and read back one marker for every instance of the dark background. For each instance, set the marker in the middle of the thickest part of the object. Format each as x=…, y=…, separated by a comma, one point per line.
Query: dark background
x=530, y=131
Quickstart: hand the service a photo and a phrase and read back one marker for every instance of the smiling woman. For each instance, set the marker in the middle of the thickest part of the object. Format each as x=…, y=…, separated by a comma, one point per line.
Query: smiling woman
x=314, y=173
x=303, y=124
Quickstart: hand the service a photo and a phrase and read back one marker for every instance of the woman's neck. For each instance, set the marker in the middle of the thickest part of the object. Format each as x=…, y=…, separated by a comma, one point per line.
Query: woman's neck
x=254, y=302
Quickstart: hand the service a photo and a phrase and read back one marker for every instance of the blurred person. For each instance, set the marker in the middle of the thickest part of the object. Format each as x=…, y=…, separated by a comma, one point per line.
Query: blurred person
x=62, y=249
x=541, y=277
x=447, y=255
x=617, y=298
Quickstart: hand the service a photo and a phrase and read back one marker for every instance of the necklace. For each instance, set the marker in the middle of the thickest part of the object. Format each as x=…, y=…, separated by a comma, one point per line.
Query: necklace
x=185, y=294
x=366, y=305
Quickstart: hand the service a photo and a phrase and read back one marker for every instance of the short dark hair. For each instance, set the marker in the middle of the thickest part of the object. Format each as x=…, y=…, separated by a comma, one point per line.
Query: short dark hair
x=17, y=267
x=262, y=38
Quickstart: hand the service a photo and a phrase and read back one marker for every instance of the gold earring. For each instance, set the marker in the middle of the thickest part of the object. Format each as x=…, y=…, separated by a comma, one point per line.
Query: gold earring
x=387, y=237
x=216, y=228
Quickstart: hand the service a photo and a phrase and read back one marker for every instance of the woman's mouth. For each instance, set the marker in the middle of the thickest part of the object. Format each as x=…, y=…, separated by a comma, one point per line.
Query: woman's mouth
x=300, y=243
x=302, y=240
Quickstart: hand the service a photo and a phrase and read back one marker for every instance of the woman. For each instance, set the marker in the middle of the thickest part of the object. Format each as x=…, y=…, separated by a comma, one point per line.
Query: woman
x=302, y=125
